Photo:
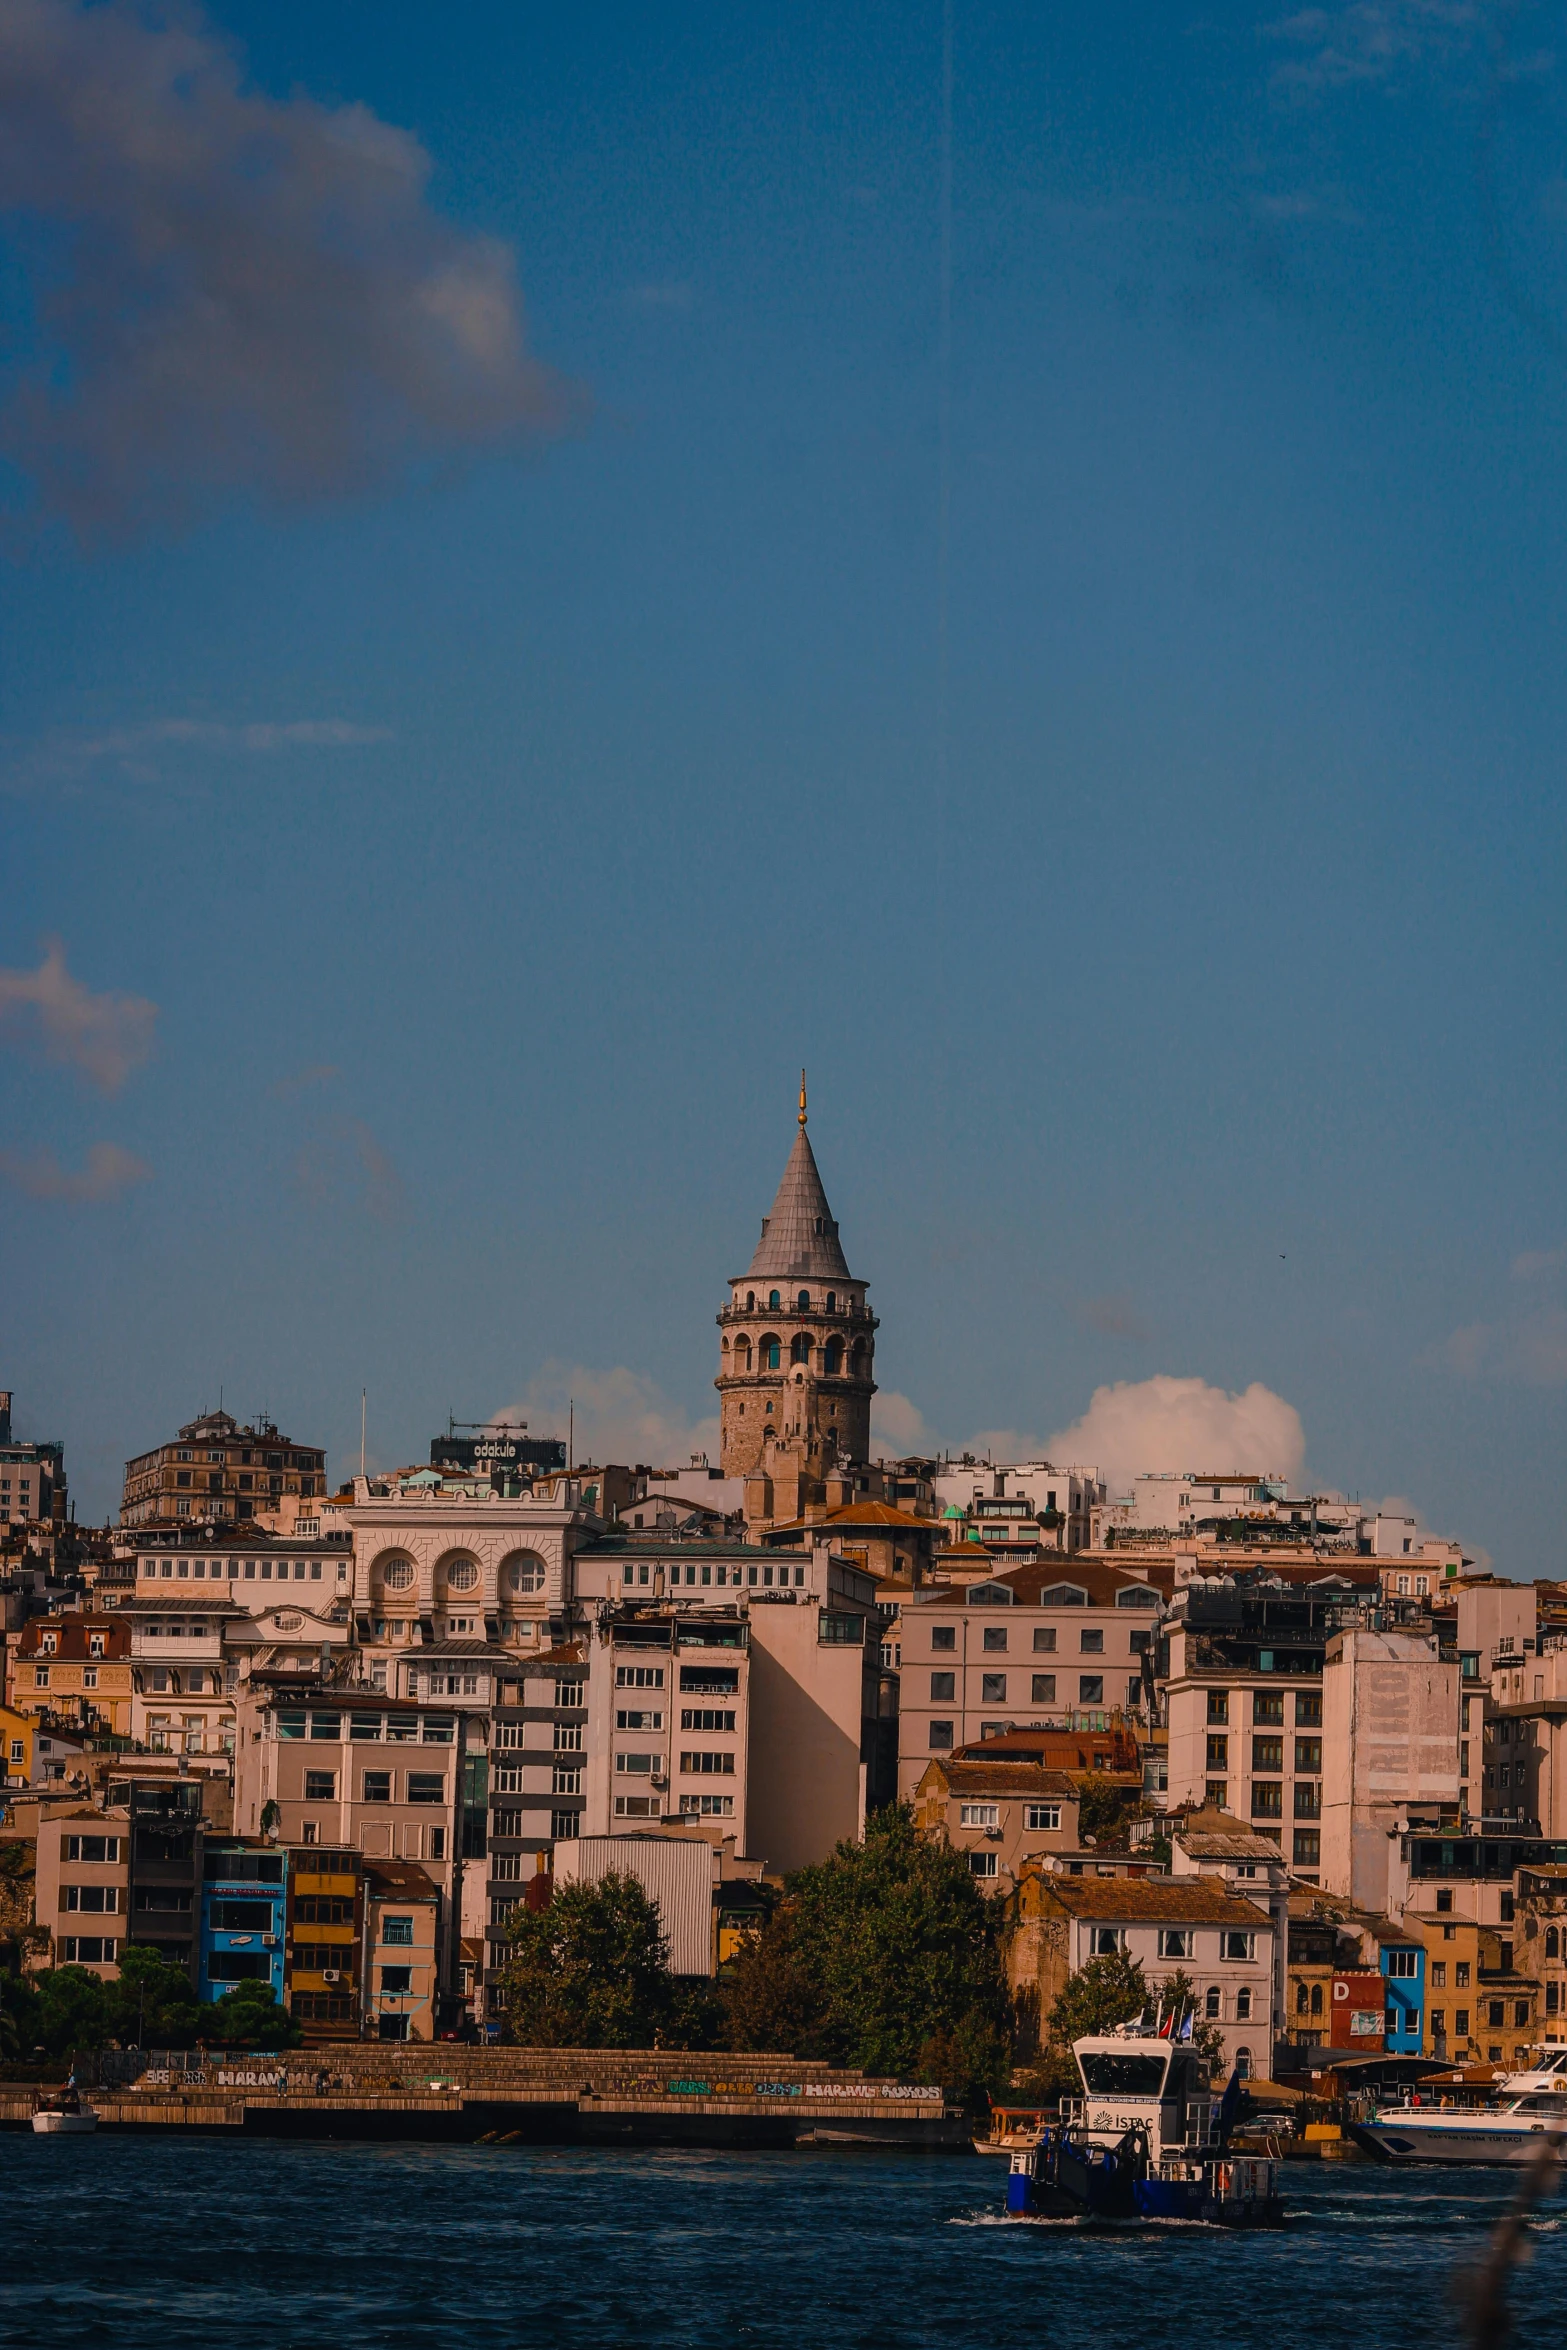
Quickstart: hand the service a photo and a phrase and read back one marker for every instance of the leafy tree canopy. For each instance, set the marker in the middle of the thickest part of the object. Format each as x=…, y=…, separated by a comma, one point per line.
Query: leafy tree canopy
x=885, y=1956
x=591, y=1970
x=1103, y=1993
x=249, y=2016
x=153, y=2004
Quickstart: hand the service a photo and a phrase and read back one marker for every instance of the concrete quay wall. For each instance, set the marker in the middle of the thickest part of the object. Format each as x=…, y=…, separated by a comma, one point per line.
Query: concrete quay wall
x=587, y=2096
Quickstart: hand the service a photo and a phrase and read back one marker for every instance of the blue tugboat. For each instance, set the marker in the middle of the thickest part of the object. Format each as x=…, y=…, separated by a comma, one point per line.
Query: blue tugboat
x=1145, y=2141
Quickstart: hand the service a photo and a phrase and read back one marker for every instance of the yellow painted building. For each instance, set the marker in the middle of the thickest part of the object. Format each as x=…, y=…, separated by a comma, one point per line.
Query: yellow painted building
x=76, y=1669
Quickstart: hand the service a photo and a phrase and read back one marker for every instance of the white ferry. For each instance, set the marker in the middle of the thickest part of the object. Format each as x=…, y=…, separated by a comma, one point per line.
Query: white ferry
x=1145, y=2141
x=1506, y=2131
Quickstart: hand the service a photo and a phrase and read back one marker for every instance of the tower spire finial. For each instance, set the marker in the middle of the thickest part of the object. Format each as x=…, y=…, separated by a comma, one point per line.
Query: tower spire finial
x=802, y=1101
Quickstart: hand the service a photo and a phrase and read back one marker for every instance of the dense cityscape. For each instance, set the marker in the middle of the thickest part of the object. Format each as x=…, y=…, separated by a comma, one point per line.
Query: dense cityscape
x=321, y=1748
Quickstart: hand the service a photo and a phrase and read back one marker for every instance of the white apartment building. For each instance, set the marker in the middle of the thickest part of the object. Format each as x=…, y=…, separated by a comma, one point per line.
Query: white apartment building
x=996, y=1499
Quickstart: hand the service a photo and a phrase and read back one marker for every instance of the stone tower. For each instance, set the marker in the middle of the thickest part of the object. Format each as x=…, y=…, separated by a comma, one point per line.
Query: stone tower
x=798, y=1341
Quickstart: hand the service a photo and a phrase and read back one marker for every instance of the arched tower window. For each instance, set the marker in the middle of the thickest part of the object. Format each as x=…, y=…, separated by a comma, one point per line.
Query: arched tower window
x=857, y=1359
x=773, y=1298
x=802, y=1304
x=750, y=1301
x=769, y=1354
x=834, y=1363
x=832, y=1301
x=742, y=1354
x=800, y=1347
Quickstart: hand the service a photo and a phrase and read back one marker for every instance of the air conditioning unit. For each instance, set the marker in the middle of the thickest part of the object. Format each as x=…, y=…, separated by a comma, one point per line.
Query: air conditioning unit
x=659, y=1779
x=992, y=1835
x=331, y=1974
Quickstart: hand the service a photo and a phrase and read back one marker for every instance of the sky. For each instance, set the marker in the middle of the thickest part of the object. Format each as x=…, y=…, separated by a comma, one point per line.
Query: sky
x=526, y=616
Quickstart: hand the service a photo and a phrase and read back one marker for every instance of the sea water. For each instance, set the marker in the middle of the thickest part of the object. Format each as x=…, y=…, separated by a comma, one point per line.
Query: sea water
x=153, y=2244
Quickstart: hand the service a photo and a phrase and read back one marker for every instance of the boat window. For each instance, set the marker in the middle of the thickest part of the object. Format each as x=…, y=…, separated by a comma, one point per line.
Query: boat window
x=1108, y=2073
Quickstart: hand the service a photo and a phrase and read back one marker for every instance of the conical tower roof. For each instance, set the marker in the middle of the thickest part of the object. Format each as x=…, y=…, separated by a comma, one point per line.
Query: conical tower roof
x=799, y=1239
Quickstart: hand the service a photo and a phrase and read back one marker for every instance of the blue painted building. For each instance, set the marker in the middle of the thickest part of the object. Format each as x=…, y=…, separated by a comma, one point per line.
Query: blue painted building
x=1404, y=1988
x=244, y=1892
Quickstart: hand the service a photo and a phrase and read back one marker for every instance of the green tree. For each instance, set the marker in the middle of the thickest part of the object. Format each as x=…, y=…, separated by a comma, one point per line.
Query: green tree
x=1105, y=1811
x=590, y=1970
x=886, y=1956
x=153, y=2004
x=250, y=2016
x=1103, y=1993
x=73, y=2010
x=1179, y=1992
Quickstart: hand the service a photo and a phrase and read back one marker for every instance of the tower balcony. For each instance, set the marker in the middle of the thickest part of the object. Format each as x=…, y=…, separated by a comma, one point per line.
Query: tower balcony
x=856, y=1318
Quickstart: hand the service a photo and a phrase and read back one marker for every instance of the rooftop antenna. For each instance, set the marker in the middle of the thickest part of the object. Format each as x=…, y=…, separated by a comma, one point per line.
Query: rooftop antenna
x=363, y=1392
x=571, y=1431
x=802, y=1101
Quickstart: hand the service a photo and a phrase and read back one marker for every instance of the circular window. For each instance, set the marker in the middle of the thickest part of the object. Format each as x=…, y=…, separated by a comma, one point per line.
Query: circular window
x=524, y=1574
x=289, y=1622
x=462, y=1575
x=397, y=1574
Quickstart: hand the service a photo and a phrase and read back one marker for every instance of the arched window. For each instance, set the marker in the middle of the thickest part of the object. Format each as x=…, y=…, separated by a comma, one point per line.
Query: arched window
x=1243, y=2063
x=1243, y=2005
x=1316, y=1998
x=1302, y=1998
x=834, y=1362
x=773, y=1298
x=750, y=1301
x=802, y=1304
x=800, y=1347
x=769, y=1353
x=742, y=1354
x=1211, y=2003
x=1552, y=1942
x=857, y=1359
x=832, y=1301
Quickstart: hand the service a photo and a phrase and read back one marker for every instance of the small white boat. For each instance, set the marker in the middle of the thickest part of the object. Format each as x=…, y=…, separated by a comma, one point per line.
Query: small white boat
x=1011, y=2127
x=64, y=2115
x=1504, y=2132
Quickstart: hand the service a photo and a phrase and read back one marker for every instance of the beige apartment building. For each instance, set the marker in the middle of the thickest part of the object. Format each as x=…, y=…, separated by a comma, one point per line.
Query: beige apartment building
x=1003, y=1814
x=1055, y=1643
x=402, y=1956
x=81, y=1887
x=216, y=1469
x=1220, y=1941
x=1244, y=1704
x=254, y=1568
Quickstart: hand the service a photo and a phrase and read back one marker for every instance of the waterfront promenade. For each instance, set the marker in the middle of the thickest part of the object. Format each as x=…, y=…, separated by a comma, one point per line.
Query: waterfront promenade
x=452, y=2093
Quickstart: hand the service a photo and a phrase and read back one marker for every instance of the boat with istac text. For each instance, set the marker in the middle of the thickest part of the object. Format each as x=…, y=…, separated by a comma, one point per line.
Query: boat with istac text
x=1147, y=2140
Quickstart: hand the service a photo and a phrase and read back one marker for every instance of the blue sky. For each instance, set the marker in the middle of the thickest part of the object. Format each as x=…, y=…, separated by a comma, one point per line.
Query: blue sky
x=501, y=754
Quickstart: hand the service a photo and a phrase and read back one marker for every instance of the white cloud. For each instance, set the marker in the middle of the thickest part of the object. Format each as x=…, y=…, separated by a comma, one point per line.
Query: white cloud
x=103, y=1037
x=1538, y=1264
x=107, y=1172
x=899, y=1427
x=1526, y=1349
x=345, y=1161
x=1373, y=40
x=146, y=753
x=1526, y=1345
x=230, y=291
x=1181, y=1424
x=619, y=1415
